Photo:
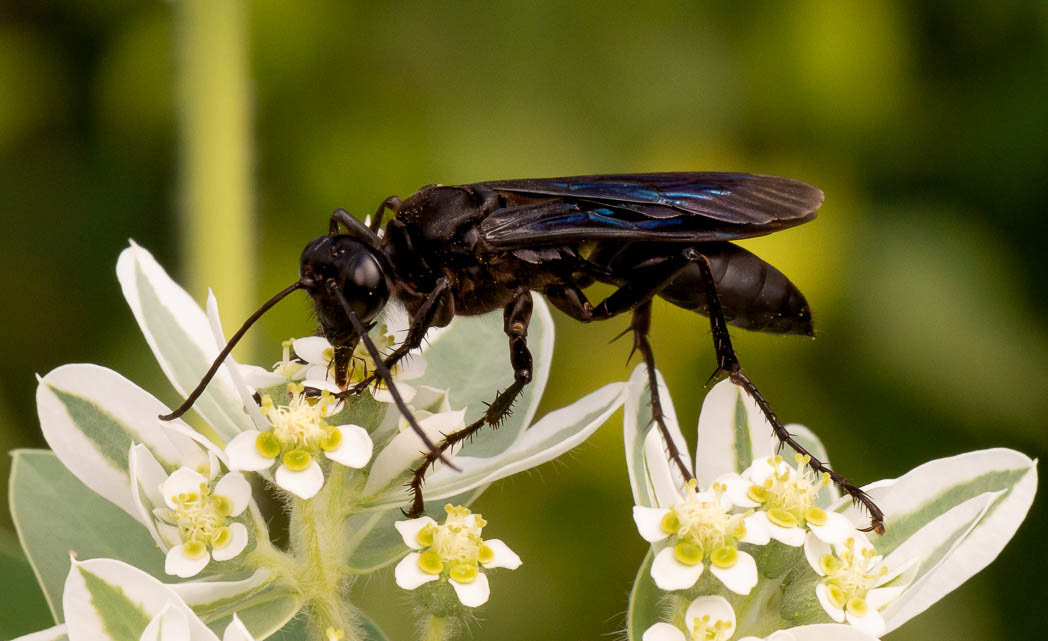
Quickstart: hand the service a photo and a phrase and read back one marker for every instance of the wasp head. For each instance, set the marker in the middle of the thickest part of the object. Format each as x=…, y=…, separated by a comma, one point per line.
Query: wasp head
x=355, y=269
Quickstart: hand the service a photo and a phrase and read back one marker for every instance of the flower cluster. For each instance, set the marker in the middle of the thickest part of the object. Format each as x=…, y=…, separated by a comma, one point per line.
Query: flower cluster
x=772, y=532
x=338, y=462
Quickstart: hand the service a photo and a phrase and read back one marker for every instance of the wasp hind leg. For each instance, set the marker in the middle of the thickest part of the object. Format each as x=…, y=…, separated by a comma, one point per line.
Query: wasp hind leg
x=634, y=296
x=728, y=366
x=517, y=317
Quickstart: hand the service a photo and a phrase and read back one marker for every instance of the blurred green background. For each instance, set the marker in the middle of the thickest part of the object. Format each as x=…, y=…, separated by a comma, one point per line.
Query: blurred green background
x=926, y=124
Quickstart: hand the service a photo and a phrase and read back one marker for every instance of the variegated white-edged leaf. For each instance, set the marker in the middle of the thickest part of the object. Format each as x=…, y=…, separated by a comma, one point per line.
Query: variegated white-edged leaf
x=230, y=367
x=931, y=490
x=178, y=332
x=91, y=415
x=76, y=519
x=107, y=600
x=654, y=479
x=262, y=605
x=471, y=359
x=554, y=434
x=732, y=433
x=57, y=633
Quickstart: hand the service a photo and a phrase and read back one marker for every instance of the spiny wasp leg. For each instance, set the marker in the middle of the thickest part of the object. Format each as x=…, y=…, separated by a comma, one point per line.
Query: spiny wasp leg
x=728, y=365
x=516, y=318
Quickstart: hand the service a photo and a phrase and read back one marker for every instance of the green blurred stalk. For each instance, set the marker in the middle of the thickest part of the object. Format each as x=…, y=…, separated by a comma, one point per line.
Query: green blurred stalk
x=214, y=129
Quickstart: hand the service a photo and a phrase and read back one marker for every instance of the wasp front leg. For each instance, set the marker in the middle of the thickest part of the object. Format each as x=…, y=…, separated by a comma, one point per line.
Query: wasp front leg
x=516, y=319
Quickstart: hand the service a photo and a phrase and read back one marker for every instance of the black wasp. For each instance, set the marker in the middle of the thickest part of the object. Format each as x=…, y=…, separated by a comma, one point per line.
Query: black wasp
x=470, y=249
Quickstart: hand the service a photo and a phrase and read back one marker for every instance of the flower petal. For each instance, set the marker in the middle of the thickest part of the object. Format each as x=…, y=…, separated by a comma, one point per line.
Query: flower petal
x=715, y=607
x=739, y=578
x=234, y=487
x=872, y=623
x=244, y=455
x=473, y=594
x=791, y=536
x=662, y=631
x=757, y=531
x=409, y=575
x=649, y=522
x=355, y=448
x=504, y=557
x=315, y=350
x=837, y=614
x=670, y=574
x=260, y=377
x=235, y=546
x=836, y=529
x=182, y=481
x=409, y=530
x=304, y=484
x=383, y=395
x=814, y=549
x=176, y=563
x=237, y=631
x=736, y=490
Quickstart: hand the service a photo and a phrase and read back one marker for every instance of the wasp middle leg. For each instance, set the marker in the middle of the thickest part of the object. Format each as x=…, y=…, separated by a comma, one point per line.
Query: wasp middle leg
x=516, y=318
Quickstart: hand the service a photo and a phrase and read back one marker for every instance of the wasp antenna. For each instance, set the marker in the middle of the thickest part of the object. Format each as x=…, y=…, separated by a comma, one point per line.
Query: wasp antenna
x=202, y=385
x=384, y=373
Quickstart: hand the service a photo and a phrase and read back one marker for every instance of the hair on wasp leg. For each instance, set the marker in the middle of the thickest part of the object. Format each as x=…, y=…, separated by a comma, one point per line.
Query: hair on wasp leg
x=470, y=249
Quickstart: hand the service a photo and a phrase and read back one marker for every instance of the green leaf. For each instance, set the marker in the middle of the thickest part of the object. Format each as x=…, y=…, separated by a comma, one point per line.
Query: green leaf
x=646, y=602
x=25, y=608
x=55, y=514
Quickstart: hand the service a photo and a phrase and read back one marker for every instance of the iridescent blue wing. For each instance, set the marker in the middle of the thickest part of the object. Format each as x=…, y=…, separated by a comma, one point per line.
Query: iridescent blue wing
x=669, y=207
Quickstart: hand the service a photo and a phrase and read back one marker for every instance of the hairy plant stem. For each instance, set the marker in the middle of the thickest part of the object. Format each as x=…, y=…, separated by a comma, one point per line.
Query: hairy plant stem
x=436, y=627
x=316, y=540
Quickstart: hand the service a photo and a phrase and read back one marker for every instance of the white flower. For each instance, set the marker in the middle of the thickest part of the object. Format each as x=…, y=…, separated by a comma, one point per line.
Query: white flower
x=857, y=583
x=299, y=434
x=318, y=368
x=197, y=524
x=787, y=497
x=702, y=527
x=453, y=551
x=711, y=618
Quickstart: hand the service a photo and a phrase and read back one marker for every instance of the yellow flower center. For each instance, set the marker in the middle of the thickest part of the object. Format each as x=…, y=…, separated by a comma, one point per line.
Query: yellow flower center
x=201, y=519
x=298, y=426
x=789, y=494
x=849, y=577
x=703, y=629
x=703, y=525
